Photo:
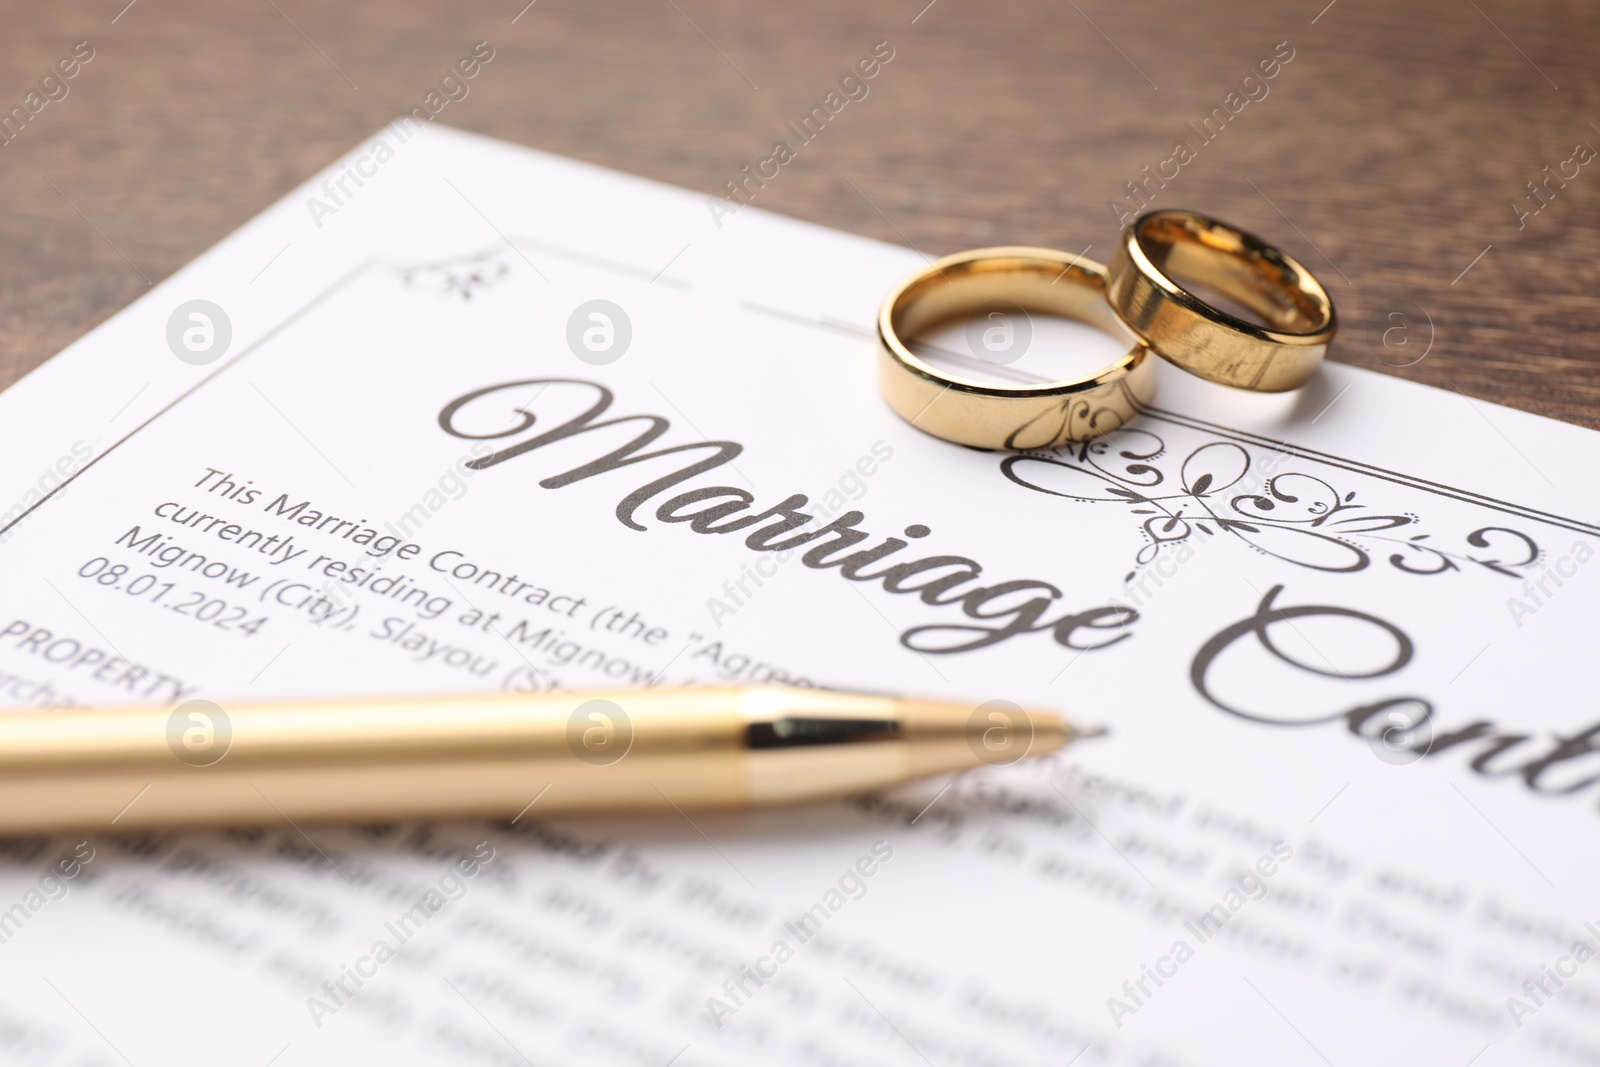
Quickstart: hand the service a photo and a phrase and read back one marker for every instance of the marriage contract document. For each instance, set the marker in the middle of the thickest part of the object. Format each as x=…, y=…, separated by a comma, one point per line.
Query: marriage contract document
x=459, y=416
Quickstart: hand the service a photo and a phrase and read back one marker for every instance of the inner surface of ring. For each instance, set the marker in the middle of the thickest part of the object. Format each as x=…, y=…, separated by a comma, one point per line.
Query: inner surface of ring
x=1071, y=290
x=1254, y=274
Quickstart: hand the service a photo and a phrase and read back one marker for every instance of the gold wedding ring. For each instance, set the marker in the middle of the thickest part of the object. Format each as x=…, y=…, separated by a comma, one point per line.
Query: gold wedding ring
x=986, y=415
x=1207, y=341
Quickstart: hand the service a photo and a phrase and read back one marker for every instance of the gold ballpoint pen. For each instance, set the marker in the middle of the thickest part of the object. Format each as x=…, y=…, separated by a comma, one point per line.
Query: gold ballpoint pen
x=487, y=756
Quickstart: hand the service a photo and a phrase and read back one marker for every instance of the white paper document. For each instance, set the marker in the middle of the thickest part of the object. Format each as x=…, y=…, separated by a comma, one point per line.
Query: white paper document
x=459, y=416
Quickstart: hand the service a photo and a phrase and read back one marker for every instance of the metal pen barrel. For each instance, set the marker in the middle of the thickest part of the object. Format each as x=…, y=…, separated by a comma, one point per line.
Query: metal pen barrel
x=474, y=756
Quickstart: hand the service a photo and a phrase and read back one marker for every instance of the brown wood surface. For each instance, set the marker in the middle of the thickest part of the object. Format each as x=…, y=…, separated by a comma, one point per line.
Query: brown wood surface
x=1387, y=155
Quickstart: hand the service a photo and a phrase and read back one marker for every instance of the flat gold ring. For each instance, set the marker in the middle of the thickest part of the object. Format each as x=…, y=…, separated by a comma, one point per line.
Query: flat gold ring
x=1160, y=246
x=988, y=415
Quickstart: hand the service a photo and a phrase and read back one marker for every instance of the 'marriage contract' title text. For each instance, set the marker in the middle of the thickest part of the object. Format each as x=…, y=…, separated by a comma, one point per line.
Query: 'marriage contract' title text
x=990, y=612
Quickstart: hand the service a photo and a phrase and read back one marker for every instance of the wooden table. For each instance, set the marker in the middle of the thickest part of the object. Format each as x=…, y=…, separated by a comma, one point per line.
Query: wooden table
x=1387, y=154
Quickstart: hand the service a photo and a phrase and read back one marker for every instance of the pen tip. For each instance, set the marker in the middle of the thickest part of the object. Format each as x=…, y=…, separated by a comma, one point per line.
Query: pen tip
x=1081, y=733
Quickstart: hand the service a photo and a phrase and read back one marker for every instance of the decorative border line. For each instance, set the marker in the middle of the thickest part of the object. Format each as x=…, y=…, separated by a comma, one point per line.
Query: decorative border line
x=623, y=269
x=294, y=316
x=1383, y=473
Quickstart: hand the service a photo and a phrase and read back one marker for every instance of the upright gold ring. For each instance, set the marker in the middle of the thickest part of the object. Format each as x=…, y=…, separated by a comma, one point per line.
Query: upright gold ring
x=987, y=415
x=1160, y=246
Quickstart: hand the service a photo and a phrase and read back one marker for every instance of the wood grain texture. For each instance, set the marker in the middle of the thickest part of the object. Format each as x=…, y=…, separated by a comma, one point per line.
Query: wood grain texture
x=1387, y=155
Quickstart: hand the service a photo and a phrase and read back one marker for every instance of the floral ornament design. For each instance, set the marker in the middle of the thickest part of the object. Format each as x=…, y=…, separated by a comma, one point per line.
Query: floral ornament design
x=1298, y=518
x=466, y=276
